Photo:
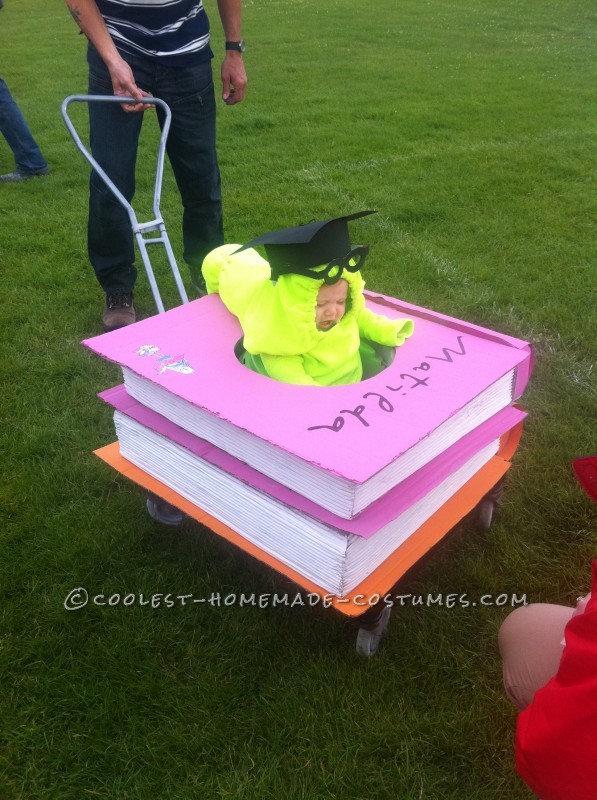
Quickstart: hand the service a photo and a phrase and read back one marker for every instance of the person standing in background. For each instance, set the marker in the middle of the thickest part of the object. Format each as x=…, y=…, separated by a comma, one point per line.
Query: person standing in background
x=160, y=49
x=29, y=160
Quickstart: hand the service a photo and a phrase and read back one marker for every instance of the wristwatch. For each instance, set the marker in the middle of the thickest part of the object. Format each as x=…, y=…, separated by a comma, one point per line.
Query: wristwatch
x=238, y=46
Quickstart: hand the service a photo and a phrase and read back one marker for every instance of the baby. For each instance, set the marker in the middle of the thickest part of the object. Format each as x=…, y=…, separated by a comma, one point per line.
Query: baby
x=303, y=312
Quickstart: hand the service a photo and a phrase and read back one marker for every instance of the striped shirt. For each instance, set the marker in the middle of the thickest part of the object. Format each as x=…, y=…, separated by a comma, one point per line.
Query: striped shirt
x=173, y=32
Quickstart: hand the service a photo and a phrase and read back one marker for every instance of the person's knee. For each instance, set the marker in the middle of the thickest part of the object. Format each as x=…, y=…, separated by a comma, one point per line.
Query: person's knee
x=513, y=628
x=530, y=644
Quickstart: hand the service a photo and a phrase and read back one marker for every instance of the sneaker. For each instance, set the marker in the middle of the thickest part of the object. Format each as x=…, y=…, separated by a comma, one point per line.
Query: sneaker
x=17, y=176
x=119, y=311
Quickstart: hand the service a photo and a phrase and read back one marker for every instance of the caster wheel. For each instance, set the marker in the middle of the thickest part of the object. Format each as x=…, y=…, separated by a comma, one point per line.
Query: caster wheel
x=163, y=512
x=369, y=639
x=484, y=514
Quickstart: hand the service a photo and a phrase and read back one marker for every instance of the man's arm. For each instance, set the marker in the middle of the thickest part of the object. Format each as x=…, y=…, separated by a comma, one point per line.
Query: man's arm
x=234, y=77
x=87, y=16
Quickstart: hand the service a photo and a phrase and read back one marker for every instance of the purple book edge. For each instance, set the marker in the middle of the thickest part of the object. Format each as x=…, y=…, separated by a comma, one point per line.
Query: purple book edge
x=374, y=517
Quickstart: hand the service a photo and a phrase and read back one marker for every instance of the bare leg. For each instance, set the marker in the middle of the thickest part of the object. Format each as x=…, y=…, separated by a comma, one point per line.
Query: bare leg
x=530, y=642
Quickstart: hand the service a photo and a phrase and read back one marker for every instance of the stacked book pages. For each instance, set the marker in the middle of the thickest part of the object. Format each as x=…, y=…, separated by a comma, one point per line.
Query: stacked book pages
x=341, y=488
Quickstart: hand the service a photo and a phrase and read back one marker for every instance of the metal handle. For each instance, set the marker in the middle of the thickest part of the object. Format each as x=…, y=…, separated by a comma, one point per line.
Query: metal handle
x=89, y=98
x=139, y=228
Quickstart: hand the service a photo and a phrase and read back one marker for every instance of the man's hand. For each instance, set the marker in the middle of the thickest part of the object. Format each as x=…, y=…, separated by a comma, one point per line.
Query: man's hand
x=123, y=84
x=87, y=16
x=234, y=78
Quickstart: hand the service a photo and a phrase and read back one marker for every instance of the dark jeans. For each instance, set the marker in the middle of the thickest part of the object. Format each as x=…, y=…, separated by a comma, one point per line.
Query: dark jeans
x=28, y=156
x=191, y=148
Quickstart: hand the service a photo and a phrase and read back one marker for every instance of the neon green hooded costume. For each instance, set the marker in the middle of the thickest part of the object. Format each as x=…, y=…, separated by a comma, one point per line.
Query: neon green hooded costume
x=278, y=320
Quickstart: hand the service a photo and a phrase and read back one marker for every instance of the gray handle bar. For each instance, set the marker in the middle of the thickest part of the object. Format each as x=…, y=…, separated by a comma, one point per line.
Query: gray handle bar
x=88, y=98
x=139, y=228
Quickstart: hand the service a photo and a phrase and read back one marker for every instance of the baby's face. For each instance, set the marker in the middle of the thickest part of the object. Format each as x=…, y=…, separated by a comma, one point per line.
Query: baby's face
x=331, y=305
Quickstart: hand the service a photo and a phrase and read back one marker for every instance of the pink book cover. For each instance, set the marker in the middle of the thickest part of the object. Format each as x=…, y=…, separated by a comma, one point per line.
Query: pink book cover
x=351, y=431
x=375, y=516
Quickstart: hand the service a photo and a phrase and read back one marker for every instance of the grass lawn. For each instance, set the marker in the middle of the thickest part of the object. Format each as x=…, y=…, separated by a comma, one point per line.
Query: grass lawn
x=470, y=127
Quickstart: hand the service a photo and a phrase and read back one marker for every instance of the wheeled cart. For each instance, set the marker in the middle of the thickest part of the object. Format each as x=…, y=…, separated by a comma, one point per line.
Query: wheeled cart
x=477, y=500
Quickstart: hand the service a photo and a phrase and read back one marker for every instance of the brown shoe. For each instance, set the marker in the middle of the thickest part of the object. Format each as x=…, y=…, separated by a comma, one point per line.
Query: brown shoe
x=119, y=311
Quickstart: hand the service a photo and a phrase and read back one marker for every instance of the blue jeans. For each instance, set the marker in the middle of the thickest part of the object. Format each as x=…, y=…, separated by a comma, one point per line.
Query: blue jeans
x=28, y=156
x=191, y=148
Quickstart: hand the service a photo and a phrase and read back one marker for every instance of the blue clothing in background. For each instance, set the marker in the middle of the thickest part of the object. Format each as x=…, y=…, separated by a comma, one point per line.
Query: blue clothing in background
x=28, y=156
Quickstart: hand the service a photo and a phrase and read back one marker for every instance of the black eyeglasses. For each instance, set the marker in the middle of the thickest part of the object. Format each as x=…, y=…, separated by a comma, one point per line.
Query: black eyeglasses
x=351, y=262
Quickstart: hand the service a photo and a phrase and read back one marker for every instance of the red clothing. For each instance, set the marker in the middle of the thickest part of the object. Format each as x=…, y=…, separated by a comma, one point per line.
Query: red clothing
x=556, y=736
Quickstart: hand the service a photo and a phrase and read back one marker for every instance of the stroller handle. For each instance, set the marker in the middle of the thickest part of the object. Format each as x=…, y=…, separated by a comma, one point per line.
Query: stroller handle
x=140, y=230
x=154, y=101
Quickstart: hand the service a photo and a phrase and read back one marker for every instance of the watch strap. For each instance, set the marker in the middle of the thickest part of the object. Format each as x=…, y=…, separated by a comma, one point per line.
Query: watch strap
x=239, y=46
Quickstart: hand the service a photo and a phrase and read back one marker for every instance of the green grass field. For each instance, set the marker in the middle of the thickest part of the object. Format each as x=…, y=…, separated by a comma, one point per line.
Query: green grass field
x=470, y=126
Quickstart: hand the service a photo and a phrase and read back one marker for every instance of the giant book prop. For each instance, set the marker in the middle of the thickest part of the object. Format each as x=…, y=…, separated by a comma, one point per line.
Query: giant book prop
x=209, y=459
x=325, y=554
x=314, y=542
x=381, y=579
x=341, y=447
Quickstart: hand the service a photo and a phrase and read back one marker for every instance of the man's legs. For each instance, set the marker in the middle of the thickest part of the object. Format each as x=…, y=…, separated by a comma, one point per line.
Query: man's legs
x=28, y=156
x=114, y=136
x=191, y=148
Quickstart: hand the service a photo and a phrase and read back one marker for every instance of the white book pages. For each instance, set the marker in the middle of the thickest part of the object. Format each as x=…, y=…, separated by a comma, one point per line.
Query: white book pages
x=334, y=560
x=329, y=490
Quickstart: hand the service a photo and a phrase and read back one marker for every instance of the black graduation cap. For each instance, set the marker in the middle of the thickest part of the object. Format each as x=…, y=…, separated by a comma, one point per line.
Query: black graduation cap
x=314, y=244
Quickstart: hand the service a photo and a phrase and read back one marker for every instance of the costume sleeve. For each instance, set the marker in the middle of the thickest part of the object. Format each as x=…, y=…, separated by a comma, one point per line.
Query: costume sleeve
x=556, y=735
x=235, y=276
x=288, y=369
x=382, y=330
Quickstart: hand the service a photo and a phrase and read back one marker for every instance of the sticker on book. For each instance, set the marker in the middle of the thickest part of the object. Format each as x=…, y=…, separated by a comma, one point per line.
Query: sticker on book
x=166, y=362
